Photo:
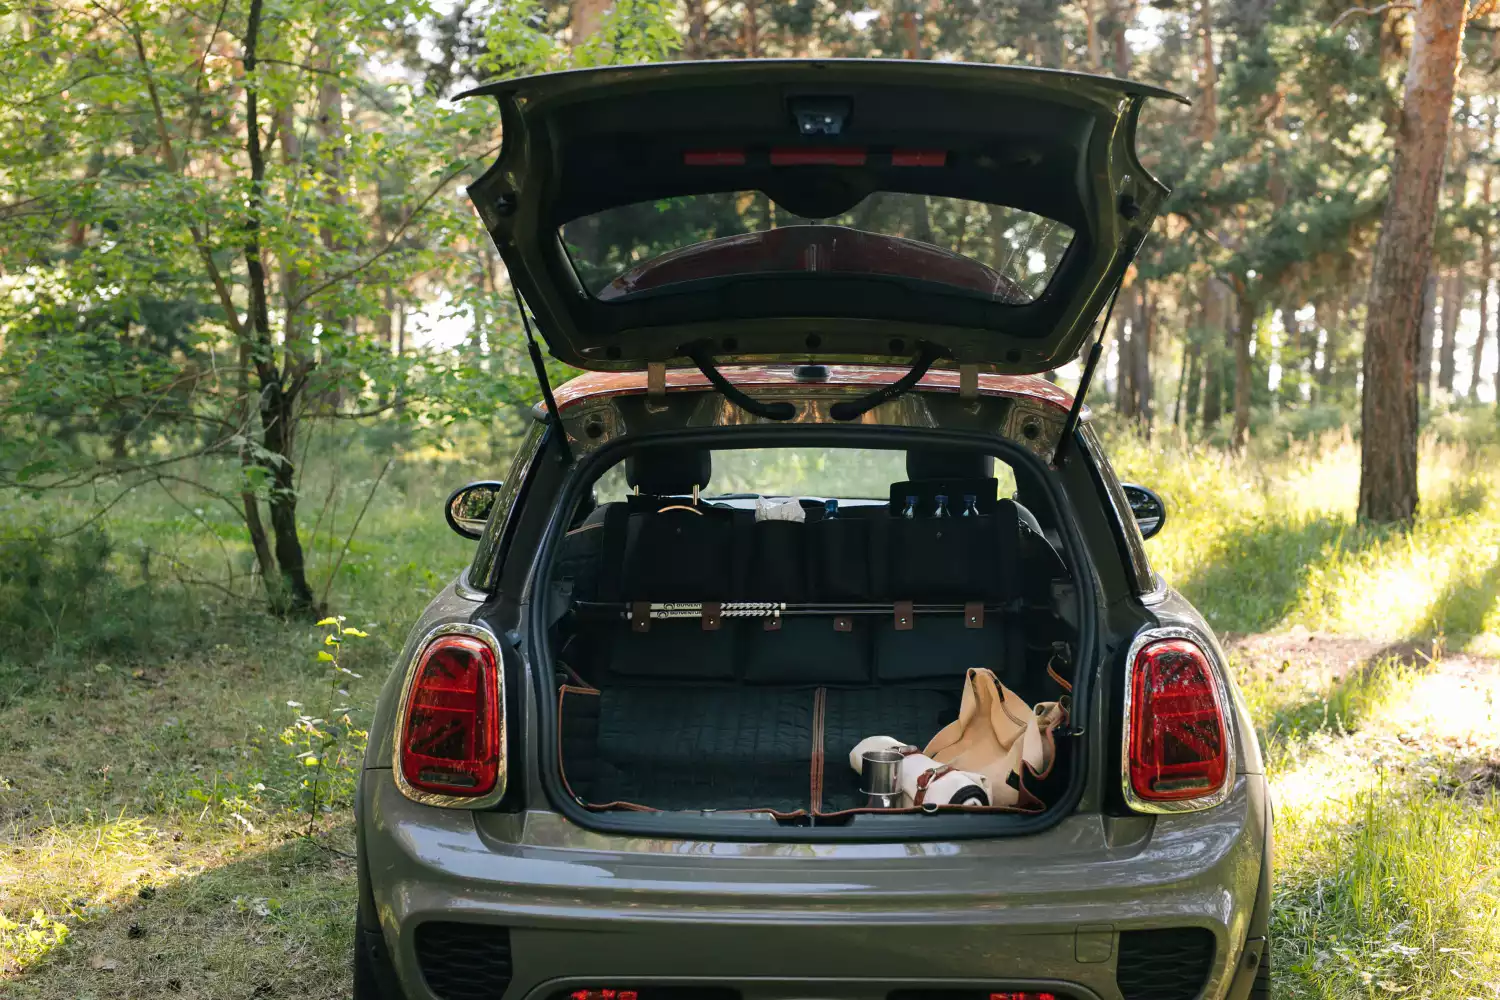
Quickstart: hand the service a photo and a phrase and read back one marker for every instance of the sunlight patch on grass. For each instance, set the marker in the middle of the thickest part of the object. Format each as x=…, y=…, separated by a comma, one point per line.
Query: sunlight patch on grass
x=1384, y=776
x=1268, y=541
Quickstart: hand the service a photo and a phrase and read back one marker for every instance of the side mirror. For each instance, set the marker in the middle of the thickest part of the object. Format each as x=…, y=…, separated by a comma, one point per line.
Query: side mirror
x=468, y=507
x=1149, y=509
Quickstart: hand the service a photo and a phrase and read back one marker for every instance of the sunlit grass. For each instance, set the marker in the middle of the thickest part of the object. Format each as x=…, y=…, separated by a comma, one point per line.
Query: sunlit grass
x=127, y=778
x=1270, y=541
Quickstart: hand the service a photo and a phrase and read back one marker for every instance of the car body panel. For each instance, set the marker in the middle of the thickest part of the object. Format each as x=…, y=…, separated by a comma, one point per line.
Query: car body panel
x=618, y=909
x=754, y=378
x=1058, y=145
x=791, y=919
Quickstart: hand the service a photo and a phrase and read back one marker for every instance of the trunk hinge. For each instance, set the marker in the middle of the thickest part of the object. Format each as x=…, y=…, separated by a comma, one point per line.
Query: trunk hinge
x=540, y=365
x=968, y=381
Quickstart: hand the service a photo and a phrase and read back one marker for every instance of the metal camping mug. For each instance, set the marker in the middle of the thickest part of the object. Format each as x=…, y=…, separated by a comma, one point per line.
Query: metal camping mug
x=880, y=774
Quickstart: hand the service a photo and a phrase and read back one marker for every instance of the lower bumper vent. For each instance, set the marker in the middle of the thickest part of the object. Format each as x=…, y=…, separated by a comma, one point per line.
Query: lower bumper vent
x=1169, y=964
x=464, y=961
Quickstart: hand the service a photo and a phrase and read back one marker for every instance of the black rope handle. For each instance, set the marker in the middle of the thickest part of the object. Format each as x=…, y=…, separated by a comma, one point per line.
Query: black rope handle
x=853, y=409
x=698, y=353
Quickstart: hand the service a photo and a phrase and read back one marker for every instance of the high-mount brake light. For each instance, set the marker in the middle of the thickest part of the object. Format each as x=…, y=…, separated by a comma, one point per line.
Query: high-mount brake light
x=833, y=156
x=451, y=731
x=1177, y=752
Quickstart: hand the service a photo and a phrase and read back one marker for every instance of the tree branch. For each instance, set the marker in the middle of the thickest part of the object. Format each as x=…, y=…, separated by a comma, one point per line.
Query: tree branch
x=376, y=98
x=395, y=238
x=221, y=287
x=1370, y=11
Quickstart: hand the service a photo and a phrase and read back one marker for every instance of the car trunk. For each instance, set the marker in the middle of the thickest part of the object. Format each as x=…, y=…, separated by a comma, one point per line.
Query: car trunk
x=826, y=632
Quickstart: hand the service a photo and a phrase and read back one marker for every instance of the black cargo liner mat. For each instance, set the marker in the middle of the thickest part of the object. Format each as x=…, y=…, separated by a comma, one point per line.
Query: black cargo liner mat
x=728, y=747
x=910, y=714
x=689, y=748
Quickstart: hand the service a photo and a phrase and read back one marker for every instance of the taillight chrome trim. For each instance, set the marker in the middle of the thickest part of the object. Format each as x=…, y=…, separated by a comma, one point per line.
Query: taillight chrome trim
x=1225, y=705
x=421, y=795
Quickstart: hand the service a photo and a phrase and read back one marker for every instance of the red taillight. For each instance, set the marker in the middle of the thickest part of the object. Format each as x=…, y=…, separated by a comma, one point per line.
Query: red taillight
x=1024, y=995
x=1178, y=746
x=604, y=995
x=450, y=738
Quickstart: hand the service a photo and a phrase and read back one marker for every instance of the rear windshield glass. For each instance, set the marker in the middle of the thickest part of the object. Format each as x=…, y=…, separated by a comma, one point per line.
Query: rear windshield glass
x=1004, y=254
x=816, y=473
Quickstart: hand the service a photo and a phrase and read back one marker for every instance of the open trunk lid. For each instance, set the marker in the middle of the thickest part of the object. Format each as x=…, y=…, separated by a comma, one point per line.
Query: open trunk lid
x=842, y=210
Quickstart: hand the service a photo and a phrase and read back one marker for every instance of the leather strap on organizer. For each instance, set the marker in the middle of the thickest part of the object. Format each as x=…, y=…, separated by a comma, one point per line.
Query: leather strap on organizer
x=926, y=778
x=904, y=613
x=712, y=616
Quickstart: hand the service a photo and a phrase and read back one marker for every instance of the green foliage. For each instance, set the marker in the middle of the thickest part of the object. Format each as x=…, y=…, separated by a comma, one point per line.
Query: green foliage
x=61, y=598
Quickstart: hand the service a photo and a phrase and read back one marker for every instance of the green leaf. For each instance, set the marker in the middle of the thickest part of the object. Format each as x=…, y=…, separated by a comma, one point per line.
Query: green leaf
x=324, y=656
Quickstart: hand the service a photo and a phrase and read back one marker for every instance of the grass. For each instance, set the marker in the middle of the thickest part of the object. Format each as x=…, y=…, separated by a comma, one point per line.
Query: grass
x=153, y=803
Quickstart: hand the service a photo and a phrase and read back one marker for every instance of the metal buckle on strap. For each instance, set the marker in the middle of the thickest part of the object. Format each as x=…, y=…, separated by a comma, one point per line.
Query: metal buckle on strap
x=640, y=616
x=713, y=616
x=974, y=614
x=926, y=778
x=904, y=616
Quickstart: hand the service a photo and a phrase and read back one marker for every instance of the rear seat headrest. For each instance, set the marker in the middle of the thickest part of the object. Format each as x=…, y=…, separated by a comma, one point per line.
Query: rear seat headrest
x=949, y=463
x=668, y=471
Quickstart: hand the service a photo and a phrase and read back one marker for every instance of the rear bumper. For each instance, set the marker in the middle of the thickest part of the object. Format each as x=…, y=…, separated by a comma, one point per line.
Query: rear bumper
x=779, y=921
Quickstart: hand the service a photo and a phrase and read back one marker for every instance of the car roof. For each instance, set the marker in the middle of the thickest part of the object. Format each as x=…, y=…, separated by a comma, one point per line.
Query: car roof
x=594, y=385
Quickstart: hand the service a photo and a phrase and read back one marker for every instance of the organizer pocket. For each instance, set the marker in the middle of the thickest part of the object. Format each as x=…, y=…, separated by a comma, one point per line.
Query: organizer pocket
x=678, y=555
x=942, y=559
x=778, y=562
x=840, y=554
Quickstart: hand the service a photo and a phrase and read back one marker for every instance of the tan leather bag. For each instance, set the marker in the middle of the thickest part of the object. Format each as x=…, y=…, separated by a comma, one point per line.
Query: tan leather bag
x=1001, y=737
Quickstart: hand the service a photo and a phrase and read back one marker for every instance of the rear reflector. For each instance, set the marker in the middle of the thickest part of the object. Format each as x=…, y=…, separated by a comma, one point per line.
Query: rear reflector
x=1177, y=746
x=714, y=158
x=817, y=157
x=920, y=158
x=450, y=737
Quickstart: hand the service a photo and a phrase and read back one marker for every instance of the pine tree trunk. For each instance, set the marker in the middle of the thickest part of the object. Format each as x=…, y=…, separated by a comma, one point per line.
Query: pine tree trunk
x=1140, y=352
x=752, y=29
x=1192, y=377
x=1426, y=332
x=1216, y=327
x=1290, y=389
x=1486, y=317
x=1403, y=256
x=1243, y=334
x=1125, y=323
x=1453, y=304
x=586, y=18
x=695, y=42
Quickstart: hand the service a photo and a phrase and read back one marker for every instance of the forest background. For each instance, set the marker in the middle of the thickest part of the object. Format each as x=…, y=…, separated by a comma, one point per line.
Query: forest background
x=251, y=333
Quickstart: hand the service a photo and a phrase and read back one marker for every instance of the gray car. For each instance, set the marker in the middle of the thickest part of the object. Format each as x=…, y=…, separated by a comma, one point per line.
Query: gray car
x=811, y=483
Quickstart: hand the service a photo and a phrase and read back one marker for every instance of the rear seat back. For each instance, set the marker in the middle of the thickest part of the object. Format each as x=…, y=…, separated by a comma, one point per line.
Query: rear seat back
x=662, y=546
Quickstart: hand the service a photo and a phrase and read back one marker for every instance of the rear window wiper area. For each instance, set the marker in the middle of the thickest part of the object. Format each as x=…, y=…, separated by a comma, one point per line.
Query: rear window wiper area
x=850, y=409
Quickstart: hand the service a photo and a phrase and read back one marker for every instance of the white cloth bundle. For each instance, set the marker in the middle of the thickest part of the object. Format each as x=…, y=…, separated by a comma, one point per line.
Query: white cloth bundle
x=779, y=510
x=940, y=790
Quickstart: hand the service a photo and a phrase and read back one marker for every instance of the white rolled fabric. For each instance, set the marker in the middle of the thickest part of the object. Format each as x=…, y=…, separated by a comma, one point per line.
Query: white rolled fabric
x=941, y=791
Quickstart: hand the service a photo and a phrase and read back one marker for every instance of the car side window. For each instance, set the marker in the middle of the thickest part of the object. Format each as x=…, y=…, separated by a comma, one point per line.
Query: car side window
x=496, y=538
x=1129, y=531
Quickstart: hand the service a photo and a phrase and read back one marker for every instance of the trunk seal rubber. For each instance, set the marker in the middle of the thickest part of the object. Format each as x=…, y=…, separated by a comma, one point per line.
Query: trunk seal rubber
x=700, y=827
